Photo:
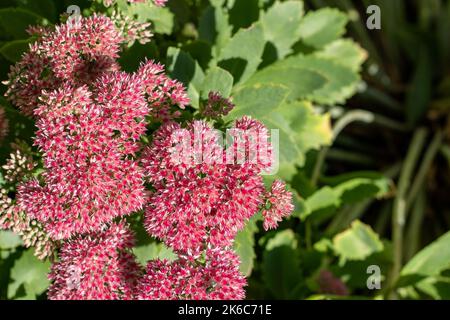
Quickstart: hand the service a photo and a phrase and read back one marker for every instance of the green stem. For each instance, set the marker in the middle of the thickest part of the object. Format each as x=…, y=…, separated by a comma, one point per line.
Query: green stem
x=421, y=176
x=415, y=225
x=348, y=118
x=399, y=209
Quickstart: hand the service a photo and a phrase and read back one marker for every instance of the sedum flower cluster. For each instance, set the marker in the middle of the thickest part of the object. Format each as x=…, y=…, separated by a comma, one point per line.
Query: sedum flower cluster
x=91, y=118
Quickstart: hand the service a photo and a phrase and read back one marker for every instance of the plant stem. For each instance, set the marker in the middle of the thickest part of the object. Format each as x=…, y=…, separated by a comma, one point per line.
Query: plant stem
x=419, y=180
x=344, y=121
x=399, y=209
x=415, y=224
x=349, y=117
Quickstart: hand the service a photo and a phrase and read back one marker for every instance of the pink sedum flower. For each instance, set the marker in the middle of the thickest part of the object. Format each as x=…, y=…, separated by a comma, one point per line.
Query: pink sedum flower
x=132, y=30
x=216, y=106
x=31, y=231
x=98, y=266
x=218, y=278
x=74, y=53
x=164, y=95
x=280, y=205
x=86, y=138
x=90, y=120
x=198, y=204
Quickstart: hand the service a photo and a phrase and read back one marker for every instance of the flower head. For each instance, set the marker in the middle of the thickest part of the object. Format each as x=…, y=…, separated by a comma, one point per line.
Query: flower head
x=98, y=266
x=216, y=106
x=85, y=137
x=164, y=95
x=196, y=203
x=72, y=53
x=131, y=29
x=280, y=205
x=218, y=278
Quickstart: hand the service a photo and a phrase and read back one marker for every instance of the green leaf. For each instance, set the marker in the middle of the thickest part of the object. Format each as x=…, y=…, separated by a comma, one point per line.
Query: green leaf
x=429, y=262
x=359, y=185
x=244, y=247
x=300, y=81
x=30, y=274
x=161, y=17
x=9, y=240
x=281, y=26
x=244, y=13
x=242, y=54
x=355, y=271
x=217, y=80
x=437, y=288
x=257, y=100
x=182, y=67
x=214, y=28
x=281, y=266
x=13, y=50
x=14, y=21
x=153, y=251
x=340, y=82
x=357, y=243
x=318, y=28
x=282, y=238
x=345, y=52
x=131, y=58
x=45, y=8
x=324, y=198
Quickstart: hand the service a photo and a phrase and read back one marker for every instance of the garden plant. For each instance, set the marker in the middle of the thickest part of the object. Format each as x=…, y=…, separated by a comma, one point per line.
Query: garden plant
x=224, y=149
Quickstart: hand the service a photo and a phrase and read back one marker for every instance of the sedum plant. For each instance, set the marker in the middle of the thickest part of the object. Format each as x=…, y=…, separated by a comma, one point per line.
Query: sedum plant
x=91, y=121
x=96, y=107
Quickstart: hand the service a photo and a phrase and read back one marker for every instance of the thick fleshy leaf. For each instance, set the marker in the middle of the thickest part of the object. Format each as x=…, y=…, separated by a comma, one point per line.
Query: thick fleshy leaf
x=30, y=275
x=345, y=52
x=161, y=17
x=13, y=50
x=300, y=81
x=241, y=56
x=153, y=251
x=429, y=262
x=185, y=69
x=357, y=243
x=340, y=82
x=214, y=28
x=217, y=80
x=244, y=246
x=281, y=266
x=281, y=26
x=318, y=28
x=14, y=21
x=9, y=240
